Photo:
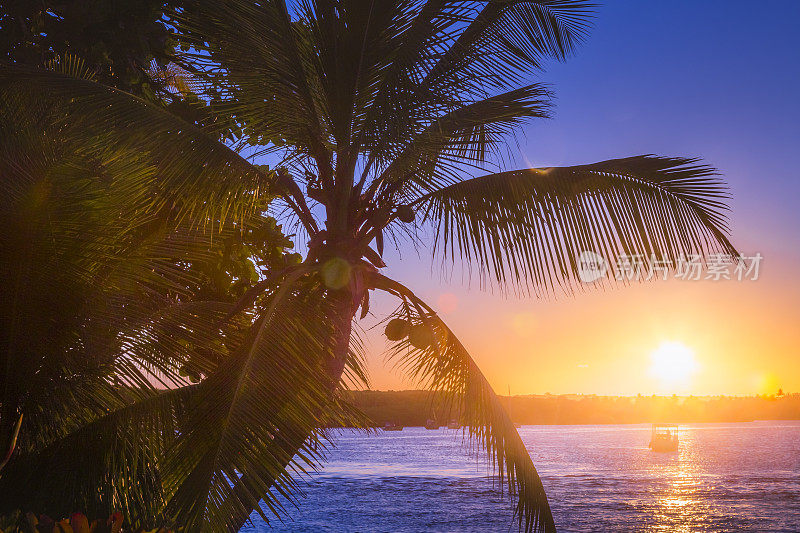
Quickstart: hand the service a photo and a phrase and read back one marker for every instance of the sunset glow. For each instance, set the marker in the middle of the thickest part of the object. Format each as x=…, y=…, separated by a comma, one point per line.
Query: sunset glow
x=673, y=364
x=407, y=266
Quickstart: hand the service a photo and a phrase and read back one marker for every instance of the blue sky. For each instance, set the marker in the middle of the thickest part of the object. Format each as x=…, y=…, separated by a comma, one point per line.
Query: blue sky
x=713, y=79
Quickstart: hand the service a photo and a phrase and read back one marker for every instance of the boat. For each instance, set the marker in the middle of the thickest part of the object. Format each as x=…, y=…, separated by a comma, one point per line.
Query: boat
x=431, y=424
x=454, y=424
x=391, y=426
x=664, y=438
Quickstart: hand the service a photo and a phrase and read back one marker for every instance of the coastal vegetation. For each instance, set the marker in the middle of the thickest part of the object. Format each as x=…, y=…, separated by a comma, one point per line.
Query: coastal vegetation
x=416, y=407
x=166, y=349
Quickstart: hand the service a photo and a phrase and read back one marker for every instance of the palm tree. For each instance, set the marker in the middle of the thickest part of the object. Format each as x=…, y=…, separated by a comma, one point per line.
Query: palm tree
x=387, y=117
x=105, y=235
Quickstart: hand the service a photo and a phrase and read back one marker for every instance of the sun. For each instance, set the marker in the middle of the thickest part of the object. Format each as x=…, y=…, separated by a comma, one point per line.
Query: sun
x=673, y=364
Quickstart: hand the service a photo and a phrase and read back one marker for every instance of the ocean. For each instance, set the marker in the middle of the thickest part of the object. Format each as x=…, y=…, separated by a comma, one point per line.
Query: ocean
x=725, y=477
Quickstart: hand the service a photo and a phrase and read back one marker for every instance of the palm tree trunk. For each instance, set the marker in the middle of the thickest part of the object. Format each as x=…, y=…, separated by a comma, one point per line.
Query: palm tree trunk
x=344, y=311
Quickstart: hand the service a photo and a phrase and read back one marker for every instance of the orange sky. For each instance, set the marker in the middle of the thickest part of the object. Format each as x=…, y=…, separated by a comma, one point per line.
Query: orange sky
x=744, y=335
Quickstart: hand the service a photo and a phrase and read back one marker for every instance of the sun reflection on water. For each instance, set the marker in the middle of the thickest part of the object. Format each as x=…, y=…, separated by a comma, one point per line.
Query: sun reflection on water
x=678, y=507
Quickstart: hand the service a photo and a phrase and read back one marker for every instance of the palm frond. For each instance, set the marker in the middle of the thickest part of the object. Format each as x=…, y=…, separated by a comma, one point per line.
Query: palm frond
x=358, y=80
x=437, y=155
x=504, y=38
x=191, y=172
x=446, y=366
x=257, y=422
x=356, y=373
x=87, y=215
x=258, y=67
x=96, y=249
x=527, y=228
x=444, y=52
x=106, y=464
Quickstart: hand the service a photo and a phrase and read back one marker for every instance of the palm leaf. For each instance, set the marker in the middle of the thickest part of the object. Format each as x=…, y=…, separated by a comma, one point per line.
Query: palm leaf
x=528, y=228
x=505, y=39
x=191, y=172
x=106, y=464
x=444, y=52
x=256, y=60
x=96, y=212
x=467, y=134
x=446, y=366
x=257, y=420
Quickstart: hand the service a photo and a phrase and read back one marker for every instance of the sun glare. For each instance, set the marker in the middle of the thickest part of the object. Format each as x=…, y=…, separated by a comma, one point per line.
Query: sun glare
x=673, y=364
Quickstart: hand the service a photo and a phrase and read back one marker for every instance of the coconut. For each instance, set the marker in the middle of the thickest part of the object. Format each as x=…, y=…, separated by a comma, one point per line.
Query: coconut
x=396, y=329
x=336, y=273
x=405, y=213
x=420, y=336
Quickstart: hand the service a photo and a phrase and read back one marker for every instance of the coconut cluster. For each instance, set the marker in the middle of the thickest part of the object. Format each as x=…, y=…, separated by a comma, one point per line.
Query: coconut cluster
x=405, y=213
x=419, y=335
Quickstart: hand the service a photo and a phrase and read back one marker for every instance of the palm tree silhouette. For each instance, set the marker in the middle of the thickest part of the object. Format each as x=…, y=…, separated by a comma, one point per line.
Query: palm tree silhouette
x=385, y=115
x=388, y=118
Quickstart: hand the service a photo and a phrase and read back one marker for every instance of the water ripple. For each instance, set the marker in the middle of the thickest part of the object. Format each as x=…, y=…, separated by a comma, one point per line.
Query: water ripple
x=726, y=477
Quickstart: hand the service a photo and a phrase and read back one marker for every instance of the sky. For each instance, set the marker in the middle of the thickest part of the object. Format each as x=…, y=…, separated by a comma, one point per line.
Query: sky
x=718, y=80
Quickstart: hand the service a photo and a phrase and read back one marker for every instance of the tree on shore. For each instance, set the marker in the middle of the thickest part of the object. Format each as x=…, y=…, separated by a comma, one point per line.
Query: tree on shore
x=388, y=118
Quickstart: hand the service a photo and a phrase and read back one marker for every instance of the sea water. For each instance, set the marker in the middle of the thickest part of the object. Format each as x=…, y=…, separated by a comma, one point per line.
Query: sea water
x=725, y=477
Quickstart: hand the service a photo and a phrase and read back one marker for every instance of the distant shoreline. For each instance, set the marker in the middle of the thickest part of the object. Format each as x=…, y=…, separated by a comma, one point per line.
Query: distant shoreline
x=414, y=407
